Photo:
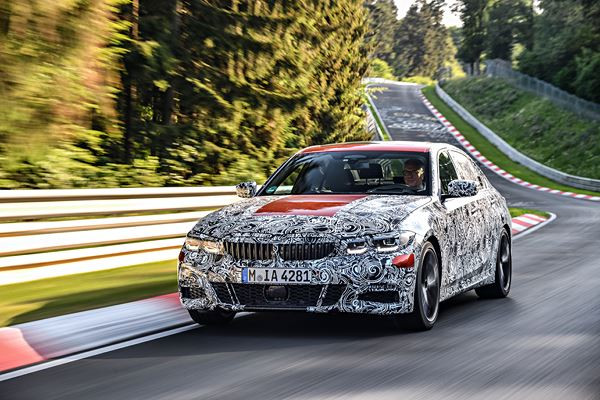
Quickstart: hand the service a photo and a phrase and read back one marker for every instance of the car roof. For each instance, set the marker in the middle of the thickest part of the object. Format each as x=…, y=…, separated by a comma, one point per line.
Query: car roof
x=417, y=147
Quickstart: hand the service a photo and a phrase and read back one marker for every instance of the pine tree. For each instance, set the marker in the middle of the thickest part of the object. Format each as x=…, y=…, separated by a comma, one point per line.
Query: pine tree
x=335, y=113
x=510, y=22
x=382, y=25
x=422, y=41
x=473, y=14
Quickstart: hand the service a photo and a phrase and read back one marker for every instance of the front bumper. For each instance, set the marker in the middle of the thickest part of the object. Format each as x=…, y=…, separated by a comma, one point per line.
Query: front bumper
x=367, y=283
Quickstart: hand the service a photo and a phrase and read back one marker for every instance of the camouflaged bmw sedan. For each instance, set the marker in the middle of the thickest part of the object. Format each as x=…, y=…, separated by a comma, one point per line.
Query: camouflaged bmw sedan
x=389, y=228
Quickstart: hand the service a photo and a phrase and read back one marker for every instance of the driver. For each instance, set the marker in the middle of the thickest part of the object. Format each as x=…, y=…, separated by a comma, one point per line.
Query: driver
x=414, y=173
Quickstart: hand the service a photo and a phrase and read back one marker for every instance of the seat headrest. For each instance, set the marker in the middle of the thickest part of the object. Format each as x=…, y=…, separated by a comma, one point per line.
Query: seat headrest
x=373, y=172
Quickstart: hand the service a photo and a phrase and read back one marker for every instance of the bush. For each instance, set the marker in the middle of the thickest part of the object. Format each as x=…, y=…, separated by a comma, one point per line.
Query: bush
x=380, y=69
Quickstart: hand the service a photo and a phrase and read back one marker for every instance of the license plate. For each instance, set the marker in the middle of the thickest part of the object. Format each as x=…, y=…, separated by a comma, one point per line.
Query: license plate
x=276, y=275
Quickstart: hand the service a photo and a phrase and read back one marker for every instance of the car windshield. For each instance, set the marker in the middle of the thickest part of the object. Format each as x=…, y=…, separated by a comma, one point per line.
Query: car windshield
x=365, y=172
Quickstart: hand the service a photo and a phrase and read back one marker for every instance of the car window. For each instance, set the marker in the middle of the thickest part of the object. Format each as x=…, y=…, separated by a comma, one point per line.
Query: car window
x=465, y=168
x=372, y=172
x=447, y=171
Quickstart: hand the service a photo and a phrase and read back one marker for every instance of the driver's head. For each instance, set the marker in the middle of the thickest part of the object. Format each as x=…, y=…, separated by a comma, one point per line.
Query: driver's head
x=414, y=172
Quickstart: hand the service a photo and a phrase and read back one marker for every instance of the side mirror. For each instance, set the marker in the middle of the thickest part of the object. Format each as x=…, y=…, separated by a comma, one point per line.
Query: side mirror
x=246, y=189
x=462, y=188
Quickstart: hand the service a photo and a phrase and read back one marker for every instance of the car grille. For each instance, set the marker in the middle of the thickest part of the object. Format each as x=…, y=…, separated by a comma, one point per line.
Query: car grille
x=287, y=251
x=305, y=251
x=192, y=292
x=299, y=296
x=333, y=294
x=222, y=292
x=249, y=251
x=388, y=296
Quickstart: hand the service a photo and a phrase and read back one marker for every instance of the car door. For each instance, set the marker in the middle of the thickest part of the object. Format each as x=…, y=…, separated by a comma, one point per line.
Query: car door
x=479, y=233
x=457, y=223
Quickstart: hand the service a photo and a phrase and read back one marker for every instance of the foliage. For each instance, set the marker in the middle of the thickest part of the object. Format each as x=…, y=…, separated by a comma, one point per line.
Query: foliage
x=177, y=92
x=382, y=25
x=422, y=42
x=473, y=17
x=421, y=80
x=510, y=22
x=566, y=47
x=57, y=84
x=532, y=124
x=380, y=69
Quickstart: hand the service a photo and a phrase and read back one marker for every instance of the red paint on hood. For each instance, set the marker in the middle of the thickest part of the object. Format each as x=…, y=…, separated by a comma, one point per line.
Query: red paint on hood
x=308, y=204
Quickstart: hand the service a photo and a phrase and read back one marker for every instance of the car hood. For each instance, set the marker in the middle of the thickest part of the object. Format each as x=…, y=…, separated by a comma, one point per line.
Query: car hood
x=309, y=215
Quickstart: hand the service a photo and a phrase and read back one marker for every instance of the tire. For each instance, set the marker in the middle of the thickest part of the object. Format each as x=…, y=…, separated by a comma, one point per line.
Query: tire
x=212, y=317
x=426, y=295
x=503, y=275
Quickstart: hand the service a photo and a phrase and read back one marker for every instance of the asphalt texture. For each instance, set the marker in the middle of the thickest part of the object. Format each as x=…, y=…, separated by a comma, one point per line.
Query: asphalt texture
x=542, y=342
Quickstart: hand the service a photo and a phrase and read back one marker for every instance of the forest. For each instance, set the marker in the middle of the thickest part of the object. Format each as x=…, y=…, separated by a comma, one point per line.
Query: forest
x=112, y=93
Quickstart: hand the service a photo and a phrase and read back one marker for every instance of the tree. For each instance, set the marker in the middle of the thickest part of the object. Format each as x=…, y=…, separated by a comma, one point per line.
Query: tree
x=509, y=22
x=566, y=44
x=473, y=14
x=341, y=60
x=422, y=41
x=382, y=25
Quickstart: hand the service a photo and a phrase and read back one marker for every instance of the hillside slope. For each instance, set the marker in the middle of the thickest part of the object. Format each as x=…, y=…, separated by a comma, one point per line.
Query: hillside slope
x=533, y=125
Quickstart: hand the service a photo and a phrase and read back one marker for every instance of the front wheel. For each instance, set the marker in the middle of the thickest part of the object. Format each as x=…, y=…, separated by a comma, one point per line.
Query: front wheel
x=503, y=276
x=427, y=293
x=212, y=317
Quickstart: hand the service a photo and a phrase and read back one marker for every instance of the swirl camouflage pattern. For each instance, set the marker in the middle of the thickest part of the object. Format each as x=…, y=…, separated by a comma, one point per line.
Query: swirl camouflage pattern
x=339, y=228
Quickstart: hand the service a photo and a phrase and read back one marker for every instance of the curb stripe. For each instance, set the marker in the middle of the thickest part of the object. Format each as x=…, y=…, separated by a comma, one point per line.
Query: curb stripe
x=15, y=351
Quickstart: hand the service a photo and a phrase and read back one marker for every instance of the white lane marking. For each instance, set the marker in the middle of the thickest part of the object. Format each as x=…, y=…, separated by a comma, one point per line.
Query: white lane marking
x=536, y=227
x=92, y=353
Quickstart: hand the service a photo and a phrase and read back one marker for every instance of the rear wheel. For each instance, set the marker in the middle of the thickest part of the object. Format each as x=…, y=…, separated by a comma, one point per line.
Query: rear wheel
x=503, y=276
x=212, y=317
x=427, y=293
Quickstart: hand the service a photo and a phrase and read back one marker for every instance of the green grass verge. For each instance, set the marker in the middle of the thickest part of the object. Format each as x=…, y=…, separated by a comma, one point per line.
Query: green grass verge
x=30, y=301
x=491, y=152
x=515, y=212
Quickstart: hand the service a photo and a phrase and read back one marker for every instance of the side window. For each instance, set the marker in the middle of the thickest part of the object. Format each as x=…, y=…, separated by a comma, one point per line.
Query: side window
x=465, y=167
x=447, y=171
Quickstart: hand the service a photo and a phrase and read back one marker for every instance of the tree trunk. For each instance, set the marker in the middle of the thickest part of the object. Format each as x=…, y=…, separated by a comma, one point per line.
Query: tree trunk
x=129, y=88
x=168, y=103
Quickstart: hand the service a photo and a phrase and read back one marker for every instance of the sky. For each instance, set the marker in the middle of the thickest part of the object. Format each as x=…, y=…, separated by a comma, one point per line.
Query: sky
x=450, y=19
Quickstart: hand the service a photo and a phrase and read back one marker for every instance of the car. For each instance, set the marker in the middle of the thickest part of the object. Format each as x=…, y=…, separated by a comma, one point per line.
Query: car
x=387, y=228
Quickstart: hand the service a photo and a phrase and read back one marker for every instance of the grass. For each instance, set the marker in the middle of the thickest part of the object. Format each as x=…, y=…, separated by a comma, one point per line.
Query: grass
x=515, y=212
x=491, y=152
x=532, y=124
x=379, y=123
x=30, y=301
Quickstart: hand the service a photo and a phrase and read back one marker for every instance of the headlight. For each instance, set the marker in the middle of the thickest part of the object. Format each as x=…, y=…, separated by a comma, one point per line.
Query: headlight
x=209, y=246
x=383, y=244
x=357, y=246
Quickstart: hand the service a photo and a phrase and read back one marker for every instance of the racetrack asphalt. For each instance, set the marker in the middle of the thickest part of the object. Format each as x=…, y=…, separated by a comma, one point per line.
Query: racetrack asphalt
x=543, y=342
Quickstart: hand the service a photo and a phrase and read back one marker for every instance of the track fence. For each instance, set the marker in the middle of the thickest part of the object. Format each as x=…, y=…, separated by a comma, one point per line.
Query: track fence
x=502, y=69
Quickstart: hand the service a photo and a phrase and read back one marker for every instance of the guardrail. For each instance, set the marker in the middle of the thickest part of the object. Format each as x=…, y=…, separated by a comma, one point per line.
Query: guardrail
x=512, y=153
x=32, y=246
